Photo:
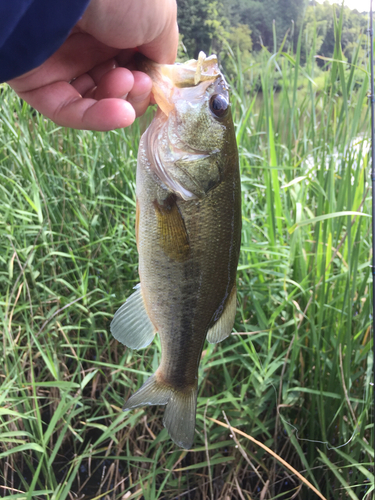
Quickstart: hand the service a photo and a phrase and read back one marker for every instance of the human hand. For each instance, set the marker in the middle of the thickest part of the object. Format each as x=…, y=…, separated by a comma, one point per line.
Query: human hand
x=85, y=83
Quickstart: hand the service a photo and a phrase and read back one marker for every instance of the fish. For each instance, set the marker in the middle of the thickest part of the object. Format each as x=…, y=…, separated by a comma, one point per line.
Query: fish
x=188, y=233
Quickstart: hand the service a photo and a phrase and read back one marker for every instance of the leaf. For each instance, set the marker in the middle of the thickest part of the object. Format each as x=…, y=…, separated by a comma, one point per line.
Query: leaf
x=325, y=217
x=22, y=447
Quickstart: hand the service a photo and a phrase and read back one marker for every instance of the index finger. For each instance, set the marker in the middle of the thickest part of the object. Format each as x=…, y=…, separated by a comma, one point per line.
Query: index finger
x=163, y=49
x=63, y=104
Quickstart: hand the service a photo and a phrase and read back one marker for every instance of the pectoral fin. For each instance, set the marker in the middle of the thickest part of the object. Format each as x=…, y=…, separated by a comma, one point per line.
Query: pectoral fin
x=224, y=325
x=131, y=325
x=172, y=232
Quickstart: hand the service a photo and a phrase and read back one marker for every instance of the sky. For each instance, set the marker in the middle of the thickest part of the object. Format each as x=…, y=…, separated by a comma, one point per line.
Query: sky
x=360, y=5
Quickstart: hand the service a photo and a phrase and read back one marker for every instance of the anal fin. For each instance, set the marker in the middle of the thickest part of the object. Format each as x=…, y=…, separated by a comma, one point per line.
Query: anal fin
x=151, y=393
x=131, y=324
x=224, y=325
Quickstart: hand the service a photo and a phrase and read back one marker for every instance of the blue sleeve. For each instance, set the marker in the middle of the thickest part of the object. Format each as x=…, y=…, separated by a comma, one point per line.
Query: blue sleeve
x=32, y=30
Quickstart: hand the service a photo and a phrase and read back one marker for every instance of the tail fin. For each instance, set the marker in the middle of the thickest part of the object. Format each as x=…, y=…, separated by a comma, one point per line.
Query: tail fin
x=179, y=417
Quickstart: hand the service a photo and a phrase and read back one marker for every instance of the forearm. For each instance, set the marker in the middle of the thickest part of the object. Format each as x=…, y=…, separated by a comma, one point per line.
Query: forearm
x=32, y=30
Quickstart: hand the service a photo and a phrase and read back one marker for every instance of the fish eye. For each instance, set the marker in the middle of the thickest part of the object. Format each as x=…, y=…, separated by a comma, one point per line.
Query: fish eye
x=219, y=105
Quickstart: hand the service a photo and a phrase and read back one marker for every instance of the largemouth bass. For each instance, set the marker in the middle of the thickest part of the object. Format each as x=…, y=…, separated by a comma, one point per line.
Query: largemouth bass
x=188, y=230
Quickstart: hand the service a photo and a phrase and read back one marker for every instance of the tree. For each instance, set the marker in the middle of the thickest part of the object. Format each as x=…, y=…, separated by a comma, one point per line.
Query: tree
x=192, y=16
x=259, y=16
x=319, y=22
x=240, y=36
x=217, y=25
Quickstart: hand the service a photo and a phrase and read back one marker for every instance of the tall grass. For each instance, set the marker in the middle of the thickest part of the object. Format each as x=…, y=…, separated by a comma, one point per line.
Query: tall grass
x=296, y=375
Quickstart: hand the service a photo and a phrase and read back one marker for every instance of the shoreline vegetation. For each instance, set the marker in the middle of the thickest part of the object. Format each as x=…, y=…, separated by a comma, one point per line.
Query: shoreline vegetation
x=296, y=373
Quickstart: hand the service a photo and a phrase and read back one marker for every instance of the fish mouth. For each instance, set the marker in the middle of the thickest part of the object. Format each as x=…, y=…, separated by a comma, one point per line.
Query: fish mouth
x=167, y=79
